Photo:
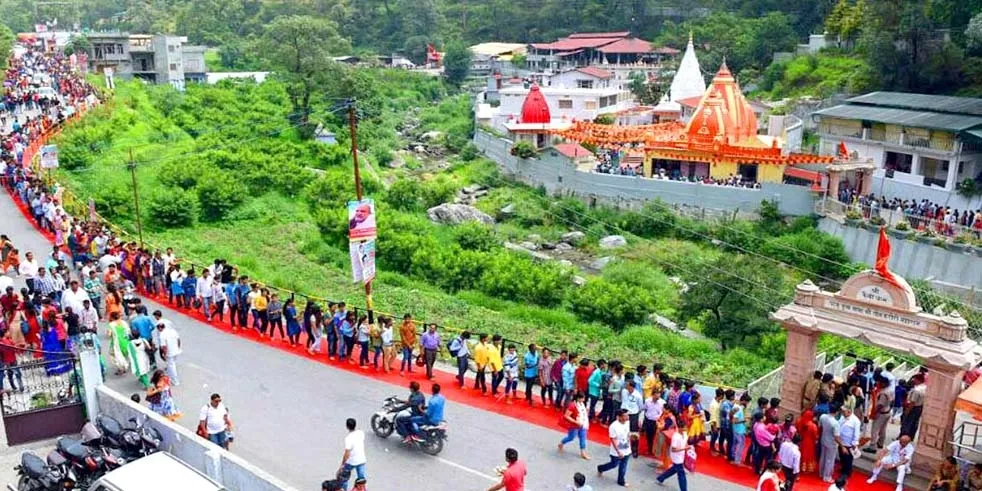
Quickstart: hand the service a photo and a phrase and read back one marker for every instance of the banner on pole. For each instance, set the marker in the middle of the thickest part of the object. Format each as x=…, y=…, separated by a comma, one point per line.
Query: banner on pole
x=49, y=157
x=362, y=261
x=361, y=220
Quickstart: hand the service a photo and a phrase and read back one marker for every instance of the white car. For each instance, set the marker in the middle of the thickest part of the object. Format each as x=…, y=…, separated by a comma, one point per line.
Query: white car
x=159, y=471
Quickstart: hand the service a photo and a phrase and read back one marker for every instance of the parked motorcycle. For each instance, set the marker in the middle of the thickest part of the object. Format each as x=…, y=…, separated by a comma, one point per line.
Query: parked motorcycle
x=431, y=437
x=84, y=463
x=34, y=475
x=134, y=441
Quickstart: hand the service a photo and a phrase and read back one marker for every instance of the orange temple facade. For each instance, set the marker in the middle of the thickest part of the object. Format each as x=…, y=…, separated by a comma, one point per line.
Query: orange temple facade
x=719, y=142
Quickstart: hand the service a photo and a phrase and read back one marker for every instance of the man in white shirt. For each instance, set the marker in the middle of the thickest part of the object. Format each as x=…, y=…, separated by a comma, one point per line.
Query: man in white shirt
x=620, y=447
x=789, y=455
x=354, y=452
x=107, y=260
x=88, y=317
x=73, y=297
x=897, y=456
x=848, y=440
x=887, y=373
x=215, y=422
x=680, y=445
x=204, y=293
x=169, y=258
x=29, y=270
x=170, y=350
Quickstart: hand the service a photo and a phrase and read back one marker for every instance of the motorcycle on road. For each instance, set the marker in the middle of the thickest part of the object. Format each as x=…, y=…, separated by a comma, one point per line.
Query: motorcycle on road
x=431, y=437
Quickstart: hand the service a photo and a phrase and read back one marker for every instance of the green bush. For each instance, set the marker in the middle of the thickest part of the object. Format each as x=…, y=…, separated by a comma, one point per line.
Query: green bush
x=515, y=277
x=617, y=305
x=523, y=150
x=219, y=194
x=405, y=195
x=824, y=256
x=173, y=208
x=113, y=201
x=474, y=236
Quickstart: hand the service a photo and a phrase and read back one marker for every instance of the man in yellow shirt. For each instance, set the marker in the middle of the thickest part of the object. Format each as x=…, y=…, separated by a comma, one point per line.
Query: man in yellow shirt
x=652, y=382
x=481, y=363
x=495, y=364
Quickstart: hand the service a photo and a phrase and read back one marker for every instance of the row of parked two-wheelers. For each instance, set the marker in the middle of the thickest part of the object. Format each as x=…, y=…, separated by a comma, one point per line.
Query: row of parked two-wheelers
x=77, y=463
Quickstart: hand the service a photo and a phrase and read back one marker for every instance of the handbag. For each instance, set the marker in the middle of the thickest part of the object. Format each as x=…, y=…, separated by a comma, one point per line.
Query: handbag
x=25, y=328
x=203, y=433
x=420, y=361
x=690, y=460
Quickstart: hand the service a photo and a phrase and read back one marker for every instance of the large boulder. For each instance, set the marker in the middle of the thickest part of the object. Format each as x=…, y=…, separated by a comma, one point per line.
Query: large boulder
x=613, y=242
x=574, y=238
x=601, y=263
x=455, y=214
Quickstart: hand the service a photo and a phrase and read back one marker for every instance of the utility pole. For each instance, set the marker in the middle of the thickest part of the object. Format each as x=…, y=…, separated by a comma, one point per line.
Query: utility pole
x=353, y=126
x=136, y=198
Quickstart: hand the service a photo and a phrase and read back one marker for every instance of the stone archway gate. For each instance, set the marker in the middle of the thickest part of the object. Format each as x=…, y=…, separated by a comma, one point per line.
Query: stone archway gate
x=874, y=311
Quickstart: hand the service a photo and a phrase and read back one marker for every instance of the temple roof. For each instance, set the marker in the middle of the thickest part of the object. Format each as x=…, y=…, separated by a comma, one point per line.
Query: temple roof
x=688, y=81
x=627, y=46
x=535, y=109
x=724, y=114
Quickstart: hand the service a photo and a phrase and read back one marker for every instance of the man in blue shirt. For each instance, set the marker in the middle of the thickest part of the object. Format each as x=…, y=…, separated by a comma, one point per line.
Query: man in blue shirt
x=144, y=325
x=232, y=297
x=531, y=372
x=434, y=412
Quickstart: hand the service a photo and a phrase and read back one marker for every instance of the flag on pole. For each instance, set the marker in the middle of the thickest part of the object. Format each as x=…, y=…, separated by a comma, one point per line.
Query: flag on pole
x=882, y=257
x=843, y=152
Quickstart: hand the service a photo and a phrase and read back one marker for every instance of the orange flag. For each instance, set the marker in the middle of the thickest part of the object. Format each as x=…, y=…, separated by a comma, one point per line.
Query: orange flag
x=882, y=257
x=842, y=150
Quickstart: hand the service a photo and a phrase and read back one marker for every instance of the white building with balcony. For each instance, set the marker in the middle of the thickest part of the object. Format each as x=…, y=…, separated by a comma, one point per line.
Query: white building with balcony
x=565, y=103
x=923, y=145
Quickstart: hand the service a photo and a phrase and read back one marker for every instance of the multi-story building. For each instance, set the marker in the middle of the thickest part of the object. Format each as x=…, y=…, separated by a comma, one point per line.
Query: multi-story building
x=565, y=103
x=923, y=145
x=597, y=48
x=155, y=58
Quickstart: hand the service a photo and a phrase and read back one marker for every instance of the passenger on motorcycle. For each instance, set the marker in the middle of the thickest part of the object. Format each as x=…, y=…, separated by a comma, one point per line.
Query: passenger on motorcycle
x=414, y=407
x=434, y=413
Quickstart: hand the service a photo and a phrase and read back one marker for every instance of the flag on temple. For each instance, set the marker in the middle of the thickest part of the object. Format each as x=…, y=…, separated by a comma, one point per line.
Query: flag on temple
x=843, y=152
x=882, y=257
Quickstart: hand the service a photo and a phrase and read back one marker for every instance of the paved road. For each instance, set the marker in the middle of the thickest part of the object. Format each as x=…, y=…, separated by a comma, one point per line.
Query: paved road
x=290, y=414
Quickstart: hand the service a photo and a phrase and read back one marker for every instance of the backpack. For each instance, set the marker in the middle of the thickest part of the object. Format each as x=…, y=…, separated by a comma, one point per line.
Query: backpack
x=454, y=342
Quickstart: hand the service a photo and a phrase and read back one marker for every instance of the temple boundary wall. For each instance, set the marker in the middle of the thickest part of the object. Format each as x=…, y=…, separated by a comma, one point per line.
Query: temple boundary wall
x=558, y=175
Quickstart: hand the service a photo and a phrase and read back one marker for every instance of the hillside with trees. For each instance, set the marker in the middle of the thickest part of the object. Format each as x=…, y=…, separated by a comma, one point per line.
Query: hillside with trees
x=909, y=45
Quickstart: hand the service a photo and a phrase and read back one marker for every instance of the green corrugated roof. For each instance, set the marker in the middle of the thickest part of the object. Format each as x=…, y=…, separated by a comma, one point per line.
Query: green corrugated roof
x=903, y=117
x=924, y=102
x=975, y=133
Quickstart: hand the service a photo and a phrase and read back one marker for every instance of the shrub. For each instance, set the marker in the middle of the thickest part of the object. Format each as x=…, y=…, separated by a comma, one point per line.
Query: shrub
x=902, y=226
x=517, y=278
x=173, y=208
x=469, y=152
x=218, y=195
x=614, y=304
x=606, y=118
x=825, y=253
x=475, y=236
x=113, y=201
x=523, y=150
x=404, y=195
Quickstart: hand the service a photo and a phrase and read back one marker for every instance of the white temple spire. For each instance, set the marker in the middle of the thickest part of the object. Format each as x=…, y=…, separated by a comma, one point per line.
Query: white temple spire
x=688, y=81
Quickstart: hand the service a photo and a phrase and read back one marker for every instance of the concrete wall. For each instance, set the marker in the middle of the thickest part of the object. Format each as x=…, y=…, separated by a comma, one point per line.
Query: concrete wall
x=910, y=259
x=232, y=471
x=557, y=174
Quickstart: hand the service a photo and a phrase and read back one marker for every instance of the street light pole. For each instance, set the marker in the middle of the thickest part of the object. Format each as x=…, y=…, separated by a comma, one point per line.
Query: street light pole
x=353, y=126
x=136, y=198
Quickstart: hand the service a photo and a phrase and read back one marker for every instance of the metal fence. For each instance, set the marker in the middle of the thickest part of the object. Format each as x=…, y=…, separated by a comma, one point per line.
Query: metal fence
x=41, y=396
x=769, y=385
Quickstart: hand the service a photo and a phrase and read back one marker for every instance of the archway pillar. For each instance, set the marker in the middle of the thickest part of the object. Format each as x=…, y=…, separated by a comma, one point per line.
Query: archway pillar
x=938, y=418
x=799, y=365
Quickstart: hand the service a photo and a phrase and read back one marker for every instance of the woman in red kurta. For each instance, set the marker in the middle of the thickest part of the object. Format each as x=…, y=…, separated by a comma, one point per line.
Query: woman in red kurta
x=809, y=441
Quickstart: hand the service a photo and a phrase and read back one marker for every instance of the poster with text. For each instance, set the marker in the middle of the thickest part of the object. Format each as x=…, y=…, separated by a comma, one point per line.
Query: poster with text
x=49, y=157
x=362, y=261
x=361, y=219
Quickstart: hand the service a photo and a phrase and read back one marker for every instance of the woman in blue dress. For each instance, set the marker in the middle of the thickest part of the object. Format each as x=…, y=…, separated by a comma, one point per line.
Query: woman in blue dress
x=159, y=397
x=57, y=359
x=292, y=323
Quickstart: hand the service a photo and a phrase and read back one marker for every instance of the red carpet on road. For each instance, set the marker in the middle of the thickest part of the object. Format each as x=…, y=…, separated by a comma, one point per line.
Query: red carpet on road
x=707, y=464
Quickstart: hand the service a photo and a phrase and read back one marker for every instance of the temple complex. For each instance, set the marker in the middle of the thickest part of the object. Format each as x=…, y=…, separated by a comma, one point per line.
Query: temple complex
x=720, y=141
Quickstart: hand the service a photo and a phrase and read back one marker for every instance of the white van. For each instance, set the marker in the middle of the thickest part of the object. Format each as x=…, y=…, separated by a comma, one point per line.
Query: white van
x=156, y=472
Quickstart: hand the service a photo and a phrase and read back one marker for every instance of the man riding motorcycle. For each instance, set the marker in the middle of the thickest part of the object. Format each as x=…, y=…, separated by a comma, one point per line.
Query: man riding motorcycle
x=433, y=415
x=414, y=408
